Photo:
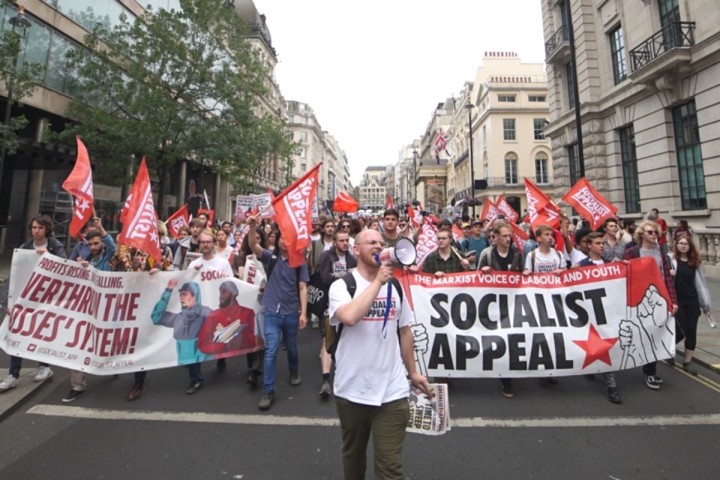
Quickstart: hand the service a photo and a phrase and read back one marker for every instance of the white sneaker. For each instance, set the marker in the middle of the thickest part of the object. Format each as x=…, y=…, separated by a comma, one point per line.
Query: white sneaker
x=43, y=373
x=8, y=383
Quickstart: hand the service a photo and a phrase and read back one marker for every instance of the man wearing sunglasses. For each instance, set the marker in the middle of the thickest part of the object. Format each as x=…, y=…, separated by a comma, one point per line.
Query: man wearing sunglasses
x=371, y=389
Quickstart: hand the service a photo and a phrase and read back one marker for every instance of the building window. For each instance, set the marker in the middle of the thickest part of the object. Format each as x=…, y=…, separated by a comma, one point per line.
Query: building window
x=536, y=98
x=541, y=168
x=689, y=157
x=538, y=125
x=303, y=152
x=511, y=165
x=506, y=98
x=617, y=50
x=576, y=172
x=303, y=136
x=569, y=85
x=631, y=185
x=508, y=129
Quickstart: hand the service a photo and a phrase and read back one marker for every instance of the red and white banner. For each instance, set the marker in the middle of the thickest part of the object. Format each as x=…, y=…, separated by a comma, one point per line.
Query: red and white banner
x=589, y=203
x=586, y=320
x=345, y=203
x=138, y=217
x=243, y=207
x=506, y=209
x=293, y=210
x=106, y=322
x=389, y=203
x=426, y=243
x=177, y=220
x=79, y=184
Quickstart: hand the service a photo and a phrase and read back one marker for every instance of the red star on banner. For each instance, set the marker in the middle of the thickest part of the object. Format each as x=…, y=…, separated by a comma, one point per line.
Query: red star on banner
x=596, y=348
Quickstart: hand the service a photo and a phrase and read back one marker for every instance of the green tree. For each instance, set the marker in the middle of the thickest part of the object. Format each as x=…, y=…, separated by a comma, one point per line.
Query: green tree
x=18, y=79
x=175, y=85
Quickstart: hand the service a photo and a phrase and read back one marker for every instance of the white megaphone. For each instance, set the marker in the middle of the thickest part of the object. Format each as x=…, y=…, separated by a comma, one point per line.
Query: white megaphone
x=402, y=254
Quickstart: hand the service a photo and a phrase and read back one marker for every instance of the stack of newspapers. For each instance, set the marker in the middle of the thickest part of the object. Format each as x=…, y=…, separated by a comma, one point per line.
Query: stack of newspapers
x=429, y=415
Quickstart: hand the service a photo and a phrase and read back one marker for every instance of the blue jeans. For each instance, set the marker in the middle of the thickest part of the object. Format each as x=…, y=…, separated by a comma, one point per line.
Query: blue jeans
x=277, y=327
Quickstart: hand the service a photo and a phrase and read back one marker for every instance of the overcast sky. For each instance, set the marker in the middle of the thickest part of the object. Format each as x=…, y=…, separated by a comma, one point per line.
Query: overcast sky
x=373, y=71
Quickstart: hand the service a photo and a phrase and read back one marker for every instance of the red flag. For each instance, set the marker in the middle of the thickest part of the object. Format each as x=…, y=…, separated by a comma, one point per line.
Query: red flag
x=643, y=274
x=519, y=236
x=504, y=207
x=489, y=211
x=415, y=216
x=389, y=203
x=177, y=220
x=427, y=242
x=457, y=233
x=293, y=209
x=548, y=215
x=79, y=184
x=440, y=143
x=537, y=201
x=589, y=203
x=139, y=228
x=345, y=203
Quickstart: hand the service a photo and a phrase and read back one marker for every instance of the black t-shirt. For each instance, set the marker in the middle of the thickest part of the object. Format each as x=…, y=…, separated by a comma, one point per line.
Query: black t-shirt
x=504, y=262
x=685, y=281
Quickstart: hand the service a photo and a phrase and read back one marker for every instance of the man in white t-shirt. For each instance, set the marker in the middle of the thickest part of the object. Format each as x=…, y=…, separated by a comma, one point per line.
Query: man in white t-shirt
x=370, y=387
x=208, y=260
x=545, y=259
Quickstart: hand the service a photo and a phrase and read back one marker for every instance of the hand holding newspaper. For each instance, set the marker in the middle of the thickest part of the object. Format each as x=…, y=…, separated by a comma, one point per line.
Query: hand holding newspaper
x=429, y=415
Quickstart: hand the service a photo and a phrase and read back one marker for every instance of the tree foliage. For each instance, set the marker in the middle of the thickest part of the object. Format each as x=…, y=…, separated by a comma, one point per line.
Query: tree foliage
x=175, y=85
x=20, y=79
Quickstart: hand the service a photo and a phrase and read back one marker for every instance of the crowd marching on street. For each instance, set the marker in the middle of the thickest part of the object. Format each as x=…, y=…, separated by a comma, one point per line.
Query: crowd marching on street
x=341, y=262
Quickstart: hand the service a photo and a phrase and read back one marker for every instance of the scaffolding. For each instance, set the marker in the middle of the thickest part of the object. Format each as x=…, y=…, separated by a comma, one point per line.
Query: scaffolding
x=59, y=206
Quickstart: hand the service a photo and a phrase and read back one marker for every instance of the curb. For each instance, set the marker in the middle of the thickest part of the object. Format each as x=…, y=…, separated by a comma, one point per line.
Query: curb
x=16, y=405
x=700, y=362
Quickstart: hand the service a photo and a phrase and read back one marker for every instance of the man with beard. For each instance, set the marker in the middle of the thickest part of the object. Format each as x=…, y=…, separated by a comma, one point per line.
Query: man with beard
x=189, y=244
x=229, y=330
x=333, y=264
x=186, y=326
x=102, y=249
x=371, y=388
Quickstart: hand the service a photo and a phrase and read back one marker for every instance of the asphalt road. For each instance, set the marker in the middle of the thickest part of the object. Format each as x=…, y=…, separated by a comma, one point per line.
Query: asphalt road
x=569, y=431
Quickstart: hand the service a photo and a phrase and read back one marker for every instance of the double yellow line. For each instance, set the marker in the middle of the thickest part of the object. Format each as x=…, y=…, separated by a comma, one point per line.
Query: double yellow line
x=700, y=379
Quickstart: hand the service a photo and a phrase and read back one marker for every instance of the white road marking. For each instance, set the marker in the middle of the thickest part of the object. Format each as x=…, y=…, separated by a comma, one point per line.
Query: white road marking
x=472, y=422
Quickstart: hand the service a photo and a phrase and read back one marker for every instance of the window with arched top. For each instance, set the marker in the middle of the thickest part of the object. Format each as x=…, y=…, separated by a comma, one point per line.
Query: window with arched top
x=511, y=168
x=541, y=168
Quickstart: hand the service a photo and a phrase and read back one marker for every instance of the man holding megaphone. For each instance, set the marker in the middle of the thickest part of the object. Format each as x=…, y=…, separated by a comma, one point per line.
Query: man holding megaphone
x=371, y=387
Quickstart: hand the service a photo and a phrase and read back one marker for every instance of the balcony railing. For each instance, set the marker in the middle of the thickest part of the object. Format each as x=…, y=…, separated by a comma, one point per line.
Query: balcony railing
x=673, y=35
x=502, y=181
x=558, y=39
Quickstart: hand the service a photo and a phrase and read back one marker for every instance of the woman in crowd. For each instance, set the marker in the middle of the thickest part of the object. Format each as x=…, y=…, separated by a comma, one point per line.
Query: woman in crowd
x=693, y=295
x=682, y=229
x=222, y=249
x=646, y=238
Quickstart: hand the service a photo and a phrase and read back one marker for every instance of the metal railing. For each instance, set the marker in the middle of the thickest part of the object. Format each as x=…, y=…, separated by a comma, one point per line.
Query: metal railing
x=560, y=37
x=671, y=36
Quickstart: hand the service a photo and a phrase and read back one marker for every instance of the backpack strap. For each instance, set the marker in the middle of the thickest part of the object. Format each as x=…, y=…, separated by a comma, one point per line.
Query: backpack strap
x=532, y=260
x=351, y=286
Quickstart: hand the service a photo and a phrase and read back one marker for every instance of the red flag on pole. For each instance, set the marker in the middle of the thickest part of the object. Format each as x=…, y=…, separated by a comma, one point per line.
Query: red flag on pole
x=415, y=216
x=293, y=210
x=427, y=242
x=139, y=227
x=345, y=203
x=79, y=184
x=489, y=211
x=504, y=207
x=177, y=220
x=389, y=203
x=519, y=236
x=589, y=203
x=537, y=200
x=457, y=233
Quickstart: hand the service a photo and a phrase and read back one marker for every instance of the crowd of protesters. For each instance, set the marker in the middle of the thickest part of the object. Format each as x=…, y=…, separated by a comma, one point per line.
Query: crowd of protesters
x=484, y=245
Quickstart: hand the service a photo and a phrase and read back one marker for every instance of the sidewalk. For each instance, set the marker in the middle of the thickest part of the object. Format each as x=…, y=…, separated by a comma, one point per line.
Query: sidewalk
x=707, y=352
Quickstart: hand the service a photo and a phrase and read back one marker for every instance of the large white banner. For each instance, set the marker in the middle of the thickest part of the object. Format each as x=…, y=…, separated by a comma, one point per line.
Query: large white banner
x=107, y=322
x=503, y=324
